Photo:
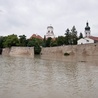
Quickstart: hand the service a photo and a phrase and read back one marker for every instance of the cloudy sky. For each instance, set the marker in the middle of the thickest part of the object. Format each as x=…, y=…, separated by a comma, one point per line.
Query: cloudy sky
x=33, y=16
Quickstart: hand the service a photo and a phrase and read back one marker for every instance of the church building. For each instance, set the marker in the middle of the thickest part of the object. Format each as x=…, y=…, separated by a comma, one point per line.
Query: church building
x=88, y=38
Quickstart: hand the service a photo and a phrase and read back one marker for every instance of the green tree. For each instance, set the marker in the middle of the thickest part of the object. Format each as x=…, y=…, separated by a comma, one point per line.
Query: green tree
x=10, y=40
x=67, y=37
x=44, y=41
x=80, y=36
x=36, y=43
x=48, y=42
x=74, y=37
x=22, y=40
x=1, y=42
x=71, y=36
x=74, y=31
x=60, y=40
x=37, y=49
x=54, y=42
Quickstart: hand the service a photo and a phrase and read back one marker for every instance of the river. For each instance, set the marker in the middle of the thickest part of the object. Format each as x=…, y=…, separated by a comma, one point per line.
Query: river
x=24, y=77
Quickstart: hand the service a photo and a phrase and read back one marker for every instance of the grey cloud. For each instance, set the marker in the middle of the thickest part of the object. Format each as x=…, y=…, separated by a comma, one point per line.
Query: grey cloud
x=33, y=16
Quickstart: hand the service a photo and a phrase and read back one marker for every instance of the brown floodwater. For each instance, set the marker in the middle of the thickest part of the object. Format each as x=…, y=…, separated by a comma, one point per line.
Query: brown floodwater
x=24, y=77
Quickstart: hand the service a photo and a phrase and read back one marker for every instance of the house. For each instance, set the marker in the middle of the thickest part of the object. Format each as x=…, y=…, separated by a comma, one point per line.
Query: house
x=36, y=36
x=85, y=41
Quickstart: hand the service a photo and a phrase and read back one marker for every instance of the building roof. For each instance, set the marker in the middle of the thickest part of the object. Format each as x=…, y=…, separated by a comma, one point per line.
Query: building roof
x=94, y=38
x=49, y=27
x=36, y=36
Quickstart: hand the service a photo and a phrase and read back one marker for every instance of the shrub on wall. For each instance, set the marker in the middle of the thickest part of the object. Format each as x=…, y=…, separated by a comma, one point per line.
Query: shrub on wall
x=0, y=50
x=37, y=49
x=66, y=54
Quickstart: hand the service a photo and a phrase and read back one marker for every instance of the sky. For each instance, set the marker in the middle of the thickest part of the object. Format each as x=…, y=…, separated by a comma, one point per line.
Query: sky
x=33, y=16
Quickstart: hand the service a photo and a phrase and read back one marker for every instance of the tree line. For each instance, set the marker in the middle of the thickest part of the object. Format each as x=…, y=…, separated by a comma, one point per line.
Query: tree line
x=70, y=38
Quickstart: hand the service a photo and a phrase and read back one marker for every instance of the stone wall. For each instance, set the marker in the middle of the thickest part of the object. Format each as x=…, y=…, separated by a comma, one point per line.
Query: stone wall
x=19, y=51
x=6, y=51
x=86, y=52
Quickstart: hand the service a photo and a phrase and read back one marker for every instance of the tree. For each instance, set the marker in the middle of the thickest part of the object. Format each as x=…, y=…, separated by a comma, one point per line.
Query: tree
x=71, y=36
x=48, y=42
x=54, y=42
x=60, y=40
x=22, y=40
x=74, y=37
x=80, y=36
x=36, y=44
x=1, y=44
x=73, y=31
x=67, y=37
x=37, y=49
x=44, y=41
x=10, y=40
x=1, y=41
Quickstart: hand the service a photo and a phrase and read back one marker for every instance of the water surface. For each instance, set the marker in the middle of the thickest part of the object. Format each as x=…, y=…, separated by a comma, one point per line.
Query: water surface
x=23, y=77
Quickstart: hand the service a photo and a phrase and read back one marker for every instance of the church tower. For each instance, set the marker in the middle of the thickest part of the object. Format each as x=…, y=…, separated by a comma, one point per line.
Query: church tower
x=87, y=30
x=50, y=32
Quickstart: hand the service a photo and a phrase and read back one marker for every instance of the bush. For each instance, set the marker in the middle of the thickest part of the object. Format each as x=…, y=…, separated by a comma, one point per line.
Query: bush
x=0, y=50
x=66, y=54
x=37, y=49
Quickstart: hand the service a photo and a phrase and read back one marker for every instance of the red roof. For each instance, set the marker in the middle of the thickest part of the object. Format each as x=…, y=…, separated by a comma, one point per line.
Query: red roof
x=94, y=38
x=36, y=36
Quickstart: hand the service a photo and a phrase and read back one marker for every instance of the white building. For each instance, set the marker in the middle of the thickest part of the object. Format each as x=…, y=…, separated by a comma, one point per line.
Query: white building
x=50, y=32
x=85, y=41
x=88, y=38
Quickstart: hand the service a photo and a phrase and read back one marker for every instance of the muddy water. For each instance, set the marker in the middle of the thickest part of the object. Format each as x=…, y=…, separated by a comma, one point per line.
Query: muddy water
x=23, y=77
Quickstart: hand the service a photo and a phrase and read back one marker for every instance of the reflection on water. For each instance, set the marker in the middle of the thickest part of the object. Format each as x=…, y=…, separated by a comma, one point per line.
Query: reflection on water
x=36, y=78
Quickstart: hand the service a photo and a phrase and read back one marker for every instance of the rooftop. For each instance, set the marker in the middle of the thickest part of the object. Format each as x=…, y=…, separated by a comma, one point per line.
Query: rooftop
x=36, y=36
x=94, y=38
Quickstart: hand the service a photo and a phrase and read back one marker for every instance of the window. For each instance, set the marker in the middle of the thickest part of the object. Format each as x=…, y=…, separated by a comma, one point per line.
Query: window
x=87, y=40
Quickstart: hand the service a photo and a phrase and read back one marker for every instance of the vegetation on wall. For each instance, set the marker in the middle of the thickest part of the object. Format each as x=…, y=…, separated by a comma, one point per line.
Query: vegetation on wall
x=36, y=43
x=66, y=54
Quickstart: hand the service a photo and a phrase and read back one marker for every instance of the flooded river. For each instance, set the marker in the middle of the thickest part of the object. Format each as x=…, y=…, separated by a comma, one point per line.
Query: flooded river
x=24, y=77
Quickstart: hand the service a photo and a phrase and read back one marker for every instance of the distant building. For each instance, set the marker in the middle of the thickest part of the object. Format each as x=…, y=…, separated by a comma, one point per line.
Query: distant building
x=36, y=36
x=50, y=32
x=85, y=40
x=88, y=38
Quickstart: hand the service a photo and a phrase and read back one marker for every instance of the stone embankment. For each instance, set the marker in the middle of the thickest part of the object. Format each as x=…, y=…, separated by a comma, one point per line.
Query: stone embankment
x=19, y=51
x=87, y=52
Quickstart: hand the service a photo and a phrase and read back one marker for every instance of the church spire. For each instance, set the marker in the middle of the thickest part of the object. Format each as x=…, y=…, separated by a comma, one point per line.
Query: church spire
x=87, y=26
x=87, y=30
